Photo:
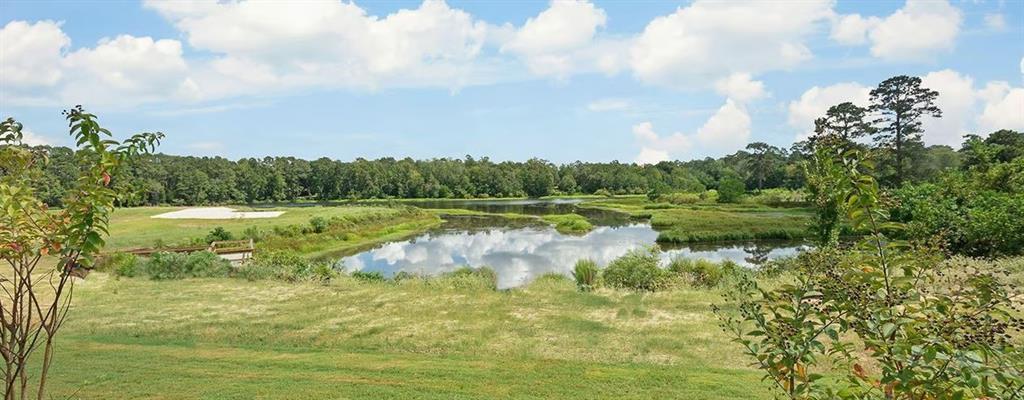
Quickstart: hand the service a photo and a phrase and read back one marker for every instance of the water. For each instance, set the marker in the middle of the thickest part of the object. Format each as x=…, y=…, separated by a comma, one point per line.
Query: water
x=520, y=254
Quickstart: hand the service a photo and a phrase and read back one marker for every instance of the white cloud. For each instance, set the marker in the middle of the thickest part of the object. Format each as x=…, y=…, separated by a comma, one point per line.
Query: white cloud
x=995, y=22
x=126, y=69
x=957, y=100
x=853, y=29
x=708, y=40
x=921, y=29
x=562, y=41
x=608, y=104
x=31, y=53
x=1004, y=108
x=740, y=87
x=33, y=139
x=278, y=45
x=814, y=102
x=727, y=130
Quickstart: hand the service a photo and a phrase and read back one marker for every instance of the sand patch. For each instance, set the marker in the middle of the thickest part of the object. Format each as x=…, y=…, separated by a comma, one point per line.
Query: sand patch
x=217, y=213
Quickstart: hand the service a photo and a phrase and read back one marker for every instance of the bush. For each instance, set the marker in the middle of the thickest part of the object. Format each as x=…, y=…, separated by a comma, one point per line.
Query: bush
x=603, y=192
x=704, y=273
x=120, y=264
x=637, y=270
x=710, y=196
x=682, y=198
x=165, y=265
x=779, y=197
x=730, y=189
x=586, y=273
x=254, y=233
x=219, y=234
x=286, y=266
x=318, y=224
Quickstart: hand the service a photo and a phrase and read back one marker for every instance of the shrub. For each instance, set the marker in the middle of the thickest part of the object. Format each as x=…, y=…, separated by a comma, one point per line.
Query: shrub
x=637, y=270
x=483, y=278
x=682, y=198
x=254, y=233
x=603, y=192
x=286, y=266
x=704, y=273
x=204, y=264
x=710, y=196
x=121, y=264
x=586, y=273
x=318, y=224
x=367, y=276
x=165, y=265
x=219, y=234
x=730, y=189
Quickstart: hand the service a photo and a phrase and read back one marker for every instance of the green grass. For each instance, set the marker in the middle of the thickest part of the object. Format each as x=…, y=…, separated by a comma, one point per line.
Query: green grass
x=236, y=339
x=713, y=222
x=569, y=223
x=353, y=227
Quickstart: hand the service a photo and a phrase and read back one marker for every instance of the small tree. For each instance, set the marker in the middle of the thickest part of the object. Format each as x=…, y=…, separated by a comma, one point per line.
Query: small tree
x=730, y=188
x=900, y=102
x=842, y=124
x=36, y=301
x=928, y=328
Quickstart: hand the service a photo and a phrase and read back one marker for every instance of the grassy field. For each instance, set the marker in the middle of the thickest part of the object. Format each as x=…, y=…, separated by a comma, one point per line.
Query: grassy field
x=235, y=339
x=713, y=222
x=355, y=226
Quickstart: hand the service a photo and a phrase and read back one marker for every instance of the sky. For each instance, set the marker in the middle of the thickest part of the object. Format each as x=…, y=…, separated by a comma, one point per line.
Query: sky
x=565, y=80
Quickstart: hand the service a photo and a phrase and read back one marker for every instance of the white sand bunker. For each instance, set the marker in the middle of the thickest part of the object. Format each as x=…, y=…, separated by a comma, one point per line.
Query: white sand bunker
x=217, y=213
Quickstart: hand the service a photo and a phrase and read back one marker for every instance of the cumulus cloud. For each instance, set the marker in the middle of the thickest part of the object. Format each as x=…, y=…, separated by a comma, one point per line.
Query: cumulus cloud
x=957, y=100
x=655, y=148
x=710, y=39
x=727, y=130
x=814, y=102
x=559, y=40
x=740, y=87
x=1003, y=109
x=31, y=53
x=34, y=139
x=919, y=30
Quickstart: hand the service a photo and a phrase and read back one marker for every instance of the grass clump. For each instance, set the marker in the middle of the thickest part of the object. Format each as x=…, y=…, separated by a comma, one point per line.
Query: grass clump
x=368, y=276
x=637, y=270
x=569, y=223
x=483, y=278
x=166, y=266
x=586, y=275
x=286, y=266
x=705, y=273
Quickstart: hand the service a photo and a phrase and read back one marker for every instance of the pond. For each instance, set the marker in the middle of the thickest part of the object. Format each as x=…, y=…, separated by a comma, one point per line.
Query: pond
x=520, y=253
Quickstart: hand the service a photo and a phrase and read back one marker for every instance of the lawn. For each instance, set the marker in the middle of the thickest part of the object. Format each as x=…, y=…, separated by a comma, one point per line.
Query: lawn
x=712, y=222
x=357, y=226
x=234, y=339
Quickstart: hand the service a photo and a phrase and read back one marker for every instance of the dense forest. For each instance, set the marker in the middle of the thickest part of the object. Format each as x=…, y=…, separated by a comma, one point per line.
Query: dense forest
x=187, y=180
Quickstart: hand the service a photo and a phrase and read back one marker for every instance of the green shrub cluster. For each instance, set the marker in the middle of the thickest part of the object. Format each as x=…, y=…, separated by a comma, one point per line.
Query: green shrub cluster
x=637, y=270
x=705, y=273
x=779, y=197
x=166, y=265
x=286, y=266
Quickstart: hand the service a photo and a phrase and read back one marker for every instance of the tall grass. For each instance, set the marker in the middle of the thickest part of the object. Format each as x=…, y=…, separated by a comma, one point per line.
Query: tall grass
x=586, y=275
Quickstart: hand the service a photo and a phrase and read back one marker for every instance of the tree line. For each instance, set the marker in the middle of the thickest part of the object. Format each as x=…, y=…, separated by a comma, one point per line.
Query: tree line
x=890, y=129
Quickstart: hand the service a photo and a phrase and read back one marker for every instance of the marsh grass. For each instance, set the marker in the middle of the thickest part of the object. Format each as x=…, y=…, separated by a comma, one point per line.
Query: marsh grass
x=569, y=223
x=238, y=339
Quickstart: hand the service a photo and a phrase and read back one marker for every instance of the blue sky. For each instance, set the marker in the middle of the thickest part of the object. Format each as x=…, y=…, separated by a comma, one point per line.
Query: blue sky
x=564, y=80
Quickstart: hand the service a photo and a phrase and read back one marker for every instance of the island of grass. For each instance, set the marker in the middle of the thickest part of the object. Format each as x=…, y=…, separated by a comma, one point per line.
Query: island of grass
x=713, y=222
x=571, y=224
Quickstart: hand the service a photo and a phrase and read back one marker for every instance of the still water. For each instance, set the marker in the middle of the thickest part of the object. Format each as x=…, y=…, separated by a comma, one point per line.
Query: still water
x=520, y=254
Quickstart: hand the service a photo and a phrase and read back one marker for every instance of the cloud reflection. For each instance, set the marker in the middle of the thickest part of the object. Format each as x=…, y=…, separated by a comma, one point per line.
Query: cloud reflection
x=520, y=255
